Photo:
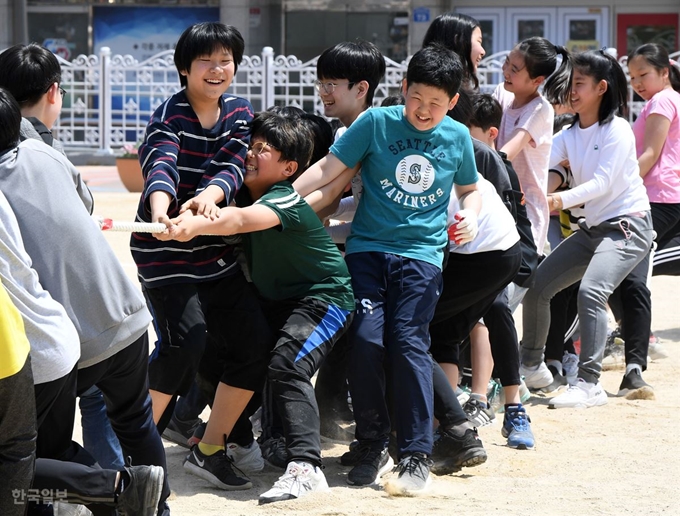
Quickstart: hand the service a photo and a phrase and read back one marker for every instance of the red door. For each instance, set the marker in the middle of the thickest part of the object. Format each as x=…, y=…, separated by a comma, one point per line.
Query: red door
x=634, y=30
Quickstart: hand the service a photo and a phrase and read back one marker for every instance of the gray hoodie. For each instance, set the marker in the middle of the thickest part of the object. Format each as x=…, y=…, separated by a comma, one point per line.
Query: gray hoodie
x=28, y=131
x=55, y=346
x=73, y=260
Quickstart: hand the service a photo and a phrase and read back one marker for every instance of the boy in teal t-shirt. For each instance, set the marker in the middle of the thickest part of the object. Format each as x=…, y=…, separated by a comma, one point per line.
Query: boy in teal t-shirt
x=411, y=158
x=303, y=283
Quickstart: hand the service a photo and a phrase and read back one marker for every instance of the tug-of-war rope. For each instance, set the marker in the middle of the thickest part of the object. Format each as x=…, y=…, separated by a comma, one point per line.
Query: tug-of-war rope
x=136, y=227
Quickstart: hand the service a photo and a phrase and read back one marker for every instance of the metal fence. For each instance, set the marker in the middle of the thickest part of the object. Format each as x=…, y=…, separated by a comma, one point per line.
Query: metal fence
x=110, y=98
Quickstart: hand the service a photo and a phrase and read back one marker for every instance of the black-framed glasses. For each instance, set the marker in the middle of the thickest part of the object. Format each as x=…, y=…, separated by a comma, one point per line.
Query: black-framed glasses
x=62, y=91
x=260, y=147
x=329, y=87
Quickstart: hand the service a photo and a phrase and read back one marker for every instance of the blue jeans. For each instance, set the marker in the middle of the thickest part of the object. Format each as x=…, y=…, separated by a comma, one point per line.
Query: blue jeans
x=98, y=437
x=395, y=299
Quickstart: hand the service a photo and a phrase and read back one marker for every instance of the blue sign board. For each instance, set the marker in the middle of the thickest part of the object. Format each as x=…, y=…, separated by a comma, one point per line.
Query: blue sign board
x=421, y=14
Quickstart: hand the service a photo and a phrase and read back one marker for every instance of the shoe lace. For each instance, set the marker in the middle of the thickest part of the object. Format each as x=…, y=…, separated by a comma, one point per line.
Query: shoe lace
x=413, y=465
x=519, y=420
x=472, y=407
x=295, y=474
x=224, y=464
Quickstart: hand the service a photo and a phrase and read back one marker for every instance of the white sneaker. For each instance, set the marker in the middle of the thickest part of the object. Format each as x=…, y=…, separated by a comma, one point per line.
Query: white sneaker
x=536, y=377
x=656, y=350
x=300, y=479
x=246, y=458
x=581, y=395
x=570, y=367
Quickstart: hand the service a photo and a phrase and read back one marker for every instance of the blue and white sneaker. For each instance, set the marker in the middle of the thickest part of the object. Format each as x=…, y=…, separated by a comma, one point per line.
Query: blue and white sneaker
x=517, y=428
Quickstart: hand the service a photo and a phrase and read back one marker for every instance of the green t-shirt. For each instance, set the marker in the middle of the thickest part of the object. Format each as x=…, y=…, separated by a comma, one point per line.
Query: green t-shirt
x=297, y=258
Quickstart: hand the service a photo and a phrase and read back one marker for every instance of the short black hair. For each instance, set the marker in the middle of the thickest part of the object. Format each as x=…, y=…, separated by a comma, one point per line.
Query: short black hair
x=321, y=130
x=203, y=39
x=356, y=61
x=294, y=140
x=436, y=66
x=393, y=100
x=10, y=114
x=462, y=111
x=486, y=112
x=28, y=71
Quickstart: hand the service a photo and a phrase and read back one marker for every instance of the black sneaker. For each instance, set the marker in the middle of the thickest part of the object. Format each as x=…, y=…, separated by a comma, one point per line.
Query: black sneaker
x=179, y=432
x=375, y=462
x=218, y=469
x=142, y=493
x=275, y=452
x=413, y=476
x=478, y=412
x=354, y=455
x=451, y=452
x=633, y=387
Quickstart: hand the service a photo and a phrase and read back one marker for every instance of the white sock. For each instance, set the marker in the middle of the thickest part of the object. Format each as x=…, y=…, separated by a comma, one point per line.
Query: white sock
x=630, y=367
x=479, y=397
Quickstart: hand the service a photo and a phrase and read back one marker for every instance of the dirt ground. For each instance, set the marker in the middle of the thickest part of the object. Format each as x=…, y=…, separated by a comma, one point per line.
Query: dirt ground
x=618, y=459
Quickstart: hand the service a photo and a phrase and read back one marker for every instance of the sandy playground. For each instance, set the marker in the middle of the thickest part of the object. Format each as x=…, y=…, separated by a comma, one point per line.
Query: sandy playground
x=619, y=459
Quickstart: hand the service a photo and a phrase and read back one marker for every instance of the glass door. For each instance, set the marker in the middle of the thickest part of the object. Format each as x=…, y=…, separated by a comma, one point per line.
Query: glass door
x=583, y=28
x=493, y=38
x=527, y=22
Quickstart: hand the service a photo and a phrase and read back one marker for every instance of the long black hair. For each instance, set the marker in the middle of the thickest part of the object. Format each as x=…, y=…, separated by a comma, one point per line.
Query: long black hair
x=454, y=31
x=601, y=66
x=540, y=60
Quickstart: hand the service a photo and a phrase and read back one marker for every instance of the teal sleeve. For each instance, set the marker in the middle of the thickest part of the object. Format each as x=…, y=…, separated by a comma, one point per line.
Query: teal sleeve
x=352, y=147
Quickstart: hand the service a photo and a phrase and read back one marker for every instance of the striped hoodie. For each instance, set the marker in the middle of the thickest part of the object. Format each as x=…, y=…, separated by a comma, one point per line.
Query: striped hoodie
x=182, y=158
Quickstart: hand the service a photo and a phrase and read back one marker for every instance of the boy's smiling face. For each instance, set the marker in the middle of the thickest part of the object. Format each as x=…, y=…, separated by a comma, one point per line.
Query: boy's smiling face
x=426, y=106
x=264, y=167
x=210, y=75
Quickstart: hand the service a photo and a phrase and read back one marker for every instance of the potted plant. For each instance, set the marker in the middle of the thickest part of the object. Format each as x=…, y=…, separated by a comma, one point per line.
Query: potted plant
x=129, y=169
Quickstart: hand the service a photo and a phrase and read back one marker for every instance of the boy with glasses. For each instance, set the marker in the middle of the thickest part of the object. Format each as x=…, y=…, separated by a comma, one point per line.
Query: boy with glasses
x=348, y=75
x=32, y=74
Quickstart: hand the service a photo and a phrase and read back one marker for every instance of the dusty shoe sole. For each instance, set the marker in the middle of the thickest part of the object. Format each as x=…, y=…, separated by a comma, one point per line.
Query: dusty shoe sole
x=474, y=457
x=643, y=393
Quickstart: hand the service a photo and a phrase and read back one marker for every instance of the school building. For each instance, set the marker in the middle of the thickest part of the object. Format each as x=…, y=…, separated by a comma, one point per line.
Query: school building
x=304, y=28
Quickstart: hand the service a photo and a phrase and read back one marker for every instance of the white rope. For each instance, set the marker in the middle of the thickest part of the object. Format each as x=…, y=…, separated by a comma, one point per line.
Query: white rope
x=137, y=227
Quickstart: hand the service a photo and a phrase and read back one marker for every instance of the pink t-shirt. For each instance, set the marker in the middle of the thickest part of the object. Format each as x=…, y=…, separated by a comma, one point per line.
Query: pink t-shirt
x=663, y=179
x=531, y=164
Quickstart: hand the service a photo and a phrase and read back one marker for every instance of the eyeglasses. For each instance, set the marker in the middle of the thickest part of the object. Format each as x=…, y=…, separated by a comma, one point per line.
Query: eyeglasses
x=260, y=147
x=329, y=87
x=62, y=91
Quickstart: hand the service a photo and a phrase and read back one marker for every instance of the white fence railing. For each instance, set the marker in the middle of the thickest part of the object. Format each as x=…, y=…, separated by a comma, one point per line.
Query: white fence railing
x=111, y=98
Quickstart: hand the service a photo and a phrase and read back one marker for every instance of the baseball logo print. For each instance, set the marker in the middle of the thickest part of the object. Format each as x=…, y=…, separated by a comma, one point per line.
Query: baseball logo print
x=415, y=174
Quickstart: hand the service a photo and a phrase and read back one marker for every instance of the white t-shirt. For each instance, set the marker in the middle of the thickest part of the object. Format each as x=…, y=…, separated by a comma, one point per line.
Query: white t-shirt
x=605, y=169
x=531, y=163
x=497, y=230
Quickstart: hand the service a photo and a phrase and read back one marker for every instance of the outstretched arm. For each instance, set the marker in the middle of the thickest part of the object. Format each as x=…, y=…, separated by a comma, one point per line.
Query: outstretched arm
x=231, y=221
x=327, y=194
x=319, y=175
